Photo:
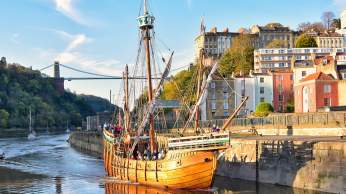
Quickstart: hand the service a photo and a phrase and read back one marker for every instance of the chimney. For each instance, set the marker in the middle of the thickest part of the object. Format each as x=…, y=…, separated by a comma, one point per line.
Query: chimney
x=226, y=30
x=213, y=30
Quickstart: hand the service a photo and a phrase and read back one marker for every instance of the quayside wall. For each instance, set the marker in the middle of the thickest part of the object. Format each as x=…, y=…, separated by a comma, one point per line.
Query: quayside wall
x=302, y=164
x=87, y=141
x=309, y=164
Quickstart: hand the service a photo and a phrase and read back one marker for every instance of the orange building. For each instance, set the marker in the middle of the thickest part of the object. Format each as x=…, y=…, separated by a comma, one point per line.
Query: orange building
x=315, y=91
x=282, y=89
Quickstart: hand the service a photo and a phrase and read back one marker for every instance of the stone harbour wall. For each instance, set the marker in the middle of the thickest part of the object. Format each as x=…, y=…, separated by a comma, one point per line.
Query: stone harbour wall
x=91, y=142
x=308, y=165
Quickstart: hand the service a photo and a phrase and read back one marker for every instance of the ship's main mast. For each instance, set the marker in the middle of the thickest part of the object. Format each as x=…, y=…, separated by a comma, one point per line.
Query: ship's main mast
x=146, y=24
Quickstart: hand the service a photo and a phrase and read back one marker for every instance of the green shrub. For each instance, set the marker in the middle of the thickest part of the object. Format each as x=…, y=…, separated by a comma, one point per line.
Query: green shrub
x=290, y=108
x=263, y=109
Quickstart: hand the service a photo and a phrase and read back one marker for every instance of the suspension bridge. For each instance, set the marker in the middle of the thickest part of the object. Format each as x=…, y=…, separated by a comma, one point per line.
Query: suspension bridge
x=97, y=76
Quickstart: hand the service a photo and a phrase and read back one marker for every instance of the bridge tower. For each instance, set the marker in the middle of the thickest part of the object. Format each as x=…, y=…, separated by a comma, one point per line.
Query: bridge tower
x=56, y=69
x=58, y=81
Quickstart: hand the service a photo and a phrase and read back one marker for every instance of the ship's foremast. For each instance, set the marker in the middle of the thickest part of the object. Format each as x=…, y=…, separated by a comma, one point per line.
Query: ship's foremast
x=146, y=24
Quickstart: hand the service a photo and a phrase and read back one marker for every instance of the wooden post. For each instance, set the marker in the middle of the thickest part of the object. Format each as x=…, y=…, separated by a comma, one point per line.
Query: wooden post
x=229, y=120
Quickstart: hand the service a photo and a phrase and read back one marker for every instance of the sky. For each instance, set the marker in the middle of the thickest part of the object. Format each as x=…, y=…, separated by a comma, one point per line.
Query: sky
x=101, y=36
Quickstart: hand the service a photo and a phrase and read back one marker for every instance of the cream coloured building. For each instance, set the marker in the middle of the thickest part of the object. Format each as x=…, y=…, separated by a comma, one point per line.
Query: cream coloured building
x=330, y=41
x=270, y=32
x=214, y=43
x=343, y=19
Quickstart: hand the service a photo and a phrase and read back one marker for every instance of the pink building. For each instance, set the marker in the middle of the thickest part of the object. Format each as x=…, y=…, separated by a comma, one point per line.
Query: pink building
x=315, y=91
x=282, y=89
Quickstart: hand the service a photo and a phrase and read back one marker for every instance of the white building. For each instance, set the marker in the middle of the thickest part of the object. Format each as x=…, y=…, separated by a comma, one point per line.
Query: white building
x=281, y=58
x=257, y=86
x=343, y=19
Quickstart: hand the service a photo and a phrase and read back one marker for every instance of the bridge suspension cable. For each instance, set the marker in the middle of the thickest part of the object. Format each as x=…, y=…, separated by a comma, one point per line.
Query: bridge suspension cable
x=44, y=68
x=95, y=74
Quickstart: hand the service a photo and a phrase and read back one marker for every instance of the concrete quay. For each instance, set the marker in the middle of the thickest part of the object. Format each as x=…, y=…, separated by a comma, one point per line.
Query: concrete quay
x=306, y=161
x=87, y=141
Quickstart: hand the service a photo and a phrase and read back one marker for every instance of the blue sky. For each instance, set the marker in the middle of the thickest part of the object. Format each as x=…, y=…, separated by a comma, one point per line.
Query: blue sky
x=101, y=35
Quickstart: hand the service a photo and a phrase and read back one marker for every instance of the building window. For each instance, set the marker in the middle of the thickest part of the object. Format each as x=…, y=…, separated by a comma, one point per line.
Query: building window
x=225, y=113
x=261, y=79
x=261, y=99
x=344, y=75
x=281, y=65
x=213, y=95
x=327, y=88
x=213, y=105
x=326, y=101
x=291, y=77
x=225, y=96
x=281, y=89
x=303, y=73
x=261, y=90
x=212, y=84
x=225, y=105
x=281, y=98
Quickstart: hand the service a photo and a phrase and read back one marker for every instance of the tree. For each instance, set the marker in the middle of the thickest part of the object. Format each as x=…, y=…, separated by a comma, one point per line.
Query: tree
x=263, y=109
x=327, y=18
x=4, y=118
x=336, y=23
x=315, y=27
x=305, y=41
x=274, y=25
x=276, y=43
x=239, y=58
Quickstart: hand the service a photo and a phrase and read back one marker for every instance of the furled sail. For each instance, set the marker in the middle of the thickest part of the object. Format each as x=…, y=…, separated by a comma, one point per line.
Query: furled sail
x=151, y=107
x=203, y=95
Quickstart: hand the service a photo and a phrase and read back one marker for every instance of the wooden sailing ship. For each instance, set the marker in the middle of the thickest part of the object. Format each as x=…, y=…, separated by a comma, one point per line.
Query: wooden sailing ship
x=184, y=166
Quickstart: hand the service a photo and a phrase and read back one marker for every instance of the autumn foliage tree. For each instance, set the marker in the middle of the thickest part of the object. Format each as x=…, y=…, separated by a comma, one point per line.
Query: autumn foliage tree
x=277, y=43
x=305, y=41
x=239, y=58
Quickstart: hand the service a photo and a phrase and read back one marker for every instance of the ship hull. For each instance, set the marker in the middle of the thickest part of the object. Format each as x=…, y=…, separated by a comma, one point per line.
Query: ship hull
x=179, y=170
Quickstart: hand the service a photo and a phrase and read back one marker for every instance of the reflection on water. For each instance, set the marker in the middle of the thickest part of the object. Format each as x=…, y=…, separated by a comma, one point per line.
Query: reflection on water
x=49, y=165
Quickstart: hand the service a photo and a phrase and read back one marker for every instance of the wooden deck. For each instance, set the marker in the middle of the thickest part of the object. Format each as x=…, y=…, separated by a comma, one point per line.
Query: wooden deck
x=209, y=141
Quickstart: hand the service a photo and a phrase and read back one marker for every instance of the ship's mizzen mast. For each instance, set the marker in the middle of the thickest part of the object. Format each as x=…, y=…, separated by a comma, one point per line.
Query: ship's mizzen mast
x=199, y=85
x=146, y=24
x=126, y=104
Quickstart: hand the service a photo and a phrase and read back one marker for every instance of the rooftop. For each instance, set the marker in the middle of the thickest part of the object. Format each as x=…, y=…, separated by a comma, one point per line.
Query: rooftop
x=317, y=76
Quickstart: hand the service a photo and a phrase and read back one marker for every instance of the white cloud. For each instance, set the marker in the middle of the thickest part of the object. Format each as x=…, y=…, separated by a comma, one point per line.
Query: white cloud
x=71, y=56
x=78, y=40
x=66, y=7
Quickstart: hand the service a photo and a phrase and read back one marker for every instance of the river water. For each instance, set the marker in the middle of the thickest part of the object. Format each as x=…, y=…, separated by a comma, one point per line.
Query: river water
x=49, y=165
